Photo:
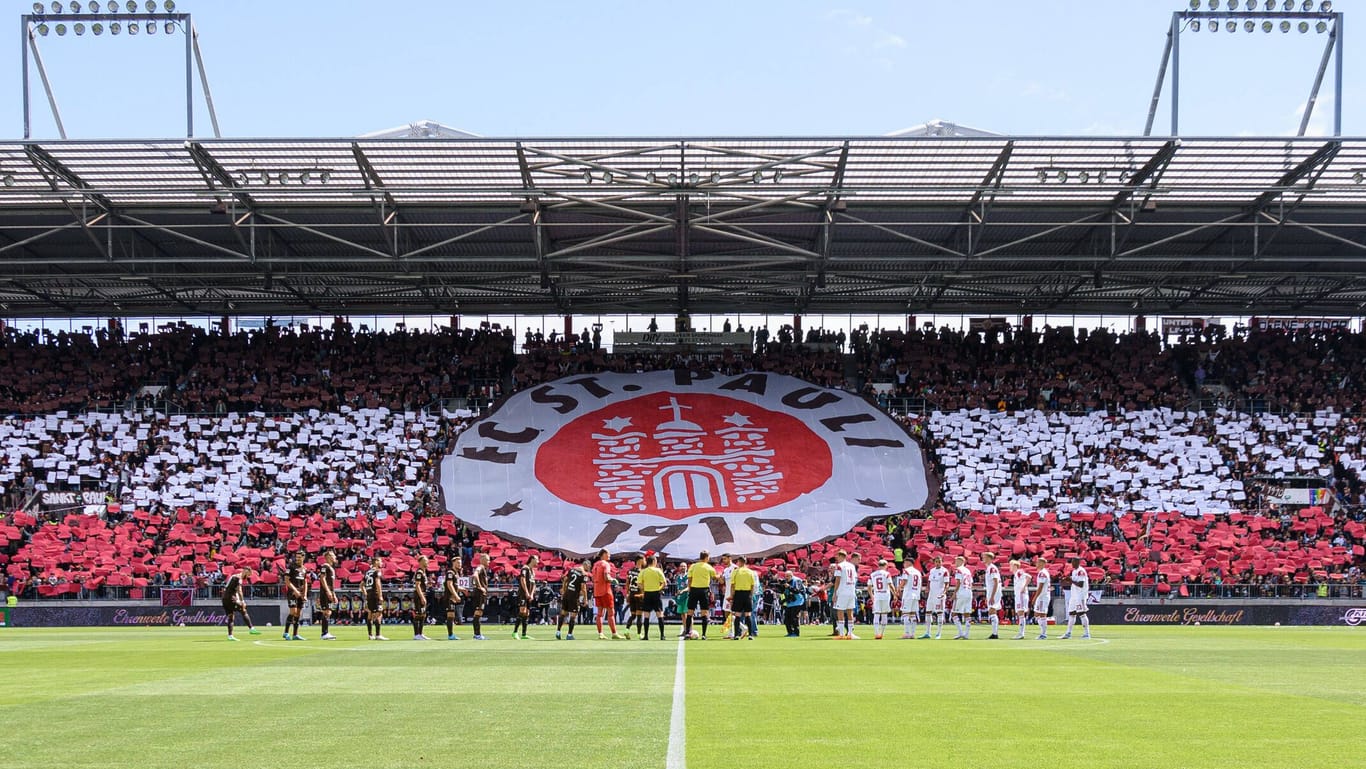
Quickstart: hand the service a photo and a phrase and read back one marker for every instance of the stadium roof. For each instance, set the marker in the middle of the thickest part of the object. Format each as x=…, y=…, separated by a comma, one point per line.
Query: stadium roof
x=586, y=226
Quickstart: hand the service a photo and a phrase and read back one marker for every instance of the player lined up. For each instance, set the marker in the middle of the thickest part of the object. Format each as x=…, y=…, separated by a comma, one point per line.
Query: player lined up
x=645, y=586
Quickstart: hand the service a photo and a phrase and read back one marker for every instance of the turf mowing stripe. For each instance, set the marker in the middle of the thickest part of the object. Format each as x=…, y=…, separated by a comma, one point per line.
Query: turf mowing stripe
x=677, y=757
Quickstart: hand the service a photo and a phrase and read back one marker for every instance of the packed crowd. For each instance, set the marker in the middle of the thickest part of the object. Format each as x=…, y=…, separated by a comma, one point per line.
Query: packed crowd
x=1141, y=461
x=1051, y=369
x=312, y=438
x=270, y=369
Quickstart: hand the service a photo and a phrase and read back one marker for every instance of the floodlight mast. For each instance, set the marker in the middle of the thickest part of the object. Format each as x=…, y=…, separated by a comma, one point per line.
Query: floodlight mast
x=1324, y=20
x=33, y=25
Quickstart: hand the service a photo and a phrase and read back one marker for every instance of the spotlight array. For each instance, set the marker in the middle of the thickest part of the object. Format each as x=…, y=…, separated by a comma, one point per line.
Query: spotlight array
x=131, y=18
x=267, y=176
x=1060, y=175
x=1233, y=6
x=692, y=179
x=1225, y=9
x=112, y=6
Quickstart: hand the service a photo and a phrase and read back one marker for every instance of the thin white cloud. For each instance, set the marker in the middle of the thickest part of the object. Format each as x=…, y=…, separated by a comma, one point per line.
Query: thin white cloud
x=1320, y=123
x=1034, y=89
x=851, y=18
x=890, y=40
x=863, y=34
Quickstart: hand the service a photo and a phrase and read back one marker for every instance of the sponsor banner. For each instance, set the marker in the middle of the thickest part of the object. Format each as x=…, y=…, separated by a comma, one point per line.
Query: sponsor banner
x=177, y=597
x=1302, y=324
x=988, y=324
x=1178, y=326
x=1190, y=613
x=713, y=339
x=679, y=461
x=73, y=498
x=4, y=616
x=121, y=614
x=1305, y=497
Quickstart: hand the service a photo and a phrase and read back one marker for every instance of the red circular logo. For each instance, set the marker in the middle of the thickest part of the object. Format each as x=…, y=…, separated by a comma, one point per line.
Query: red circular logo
x=676, y=455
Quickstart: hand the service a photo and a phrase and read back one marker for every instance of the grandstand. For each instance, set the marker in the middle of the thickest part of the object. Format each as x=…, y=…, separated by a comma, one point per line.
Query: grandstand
x=1128, y=371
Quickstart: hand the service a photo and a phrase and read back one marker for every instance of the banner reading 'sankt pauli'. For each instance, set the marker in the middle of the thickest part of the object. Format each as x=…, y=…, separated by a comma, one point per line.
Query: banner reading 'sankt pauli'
x=679, y=461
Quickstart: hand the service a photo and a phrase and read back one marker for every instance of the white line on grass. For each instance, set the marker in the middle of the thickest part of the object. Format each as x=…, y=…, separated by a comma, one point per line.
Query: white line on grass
x=677, y=757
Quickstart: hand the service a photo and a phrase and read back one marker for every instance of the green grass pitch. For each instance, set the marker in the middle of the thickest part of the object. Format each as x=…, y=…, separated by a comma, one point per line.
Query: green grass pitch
x=1133, y=697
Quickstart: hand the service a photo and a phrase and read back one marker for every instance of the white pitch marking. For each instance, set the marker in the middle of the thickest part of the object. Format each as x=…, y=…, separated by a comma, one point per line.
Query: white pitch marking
x=677, y=757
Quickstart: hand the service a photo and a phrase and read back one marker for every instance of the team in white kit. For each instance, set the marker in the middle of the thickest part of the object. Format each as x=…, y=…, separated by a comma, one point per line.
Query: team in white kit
x=1031, y=596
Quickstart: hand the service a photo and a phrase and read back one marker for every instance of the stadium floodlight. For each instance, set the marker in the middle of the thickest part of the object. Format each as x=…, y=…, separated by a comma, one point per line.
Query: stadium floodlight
x=1195, y=25
x=133, y=28
x=1325, y=7
x=608, y=177
x=1303, y=27
x=113, y=6
x=757, y=176
x=97, y=28
x=1267, y=26
x=265, y=177
x=8, y=180
x=1270, y=5
x=1083, y=177
x=1195, y=5
x=1100, y=176
x=693, y=178
x=56, y=6
x=39, y=9
x=649, y=177
x=1231, y=26
x=42, y=29
x=305, y=177
x=325, y=177
x=78, y=28
x=115, y=27
x=1062, y=175
x=283, y=178
x=1250, y=5
x=715, y=177
x=75, y=7
x=151, y=27
x=60, y=29
x=587, y=177
x=778, y=176
x=1285, y=26
x=1214, y=5
x=1307, y=6
x=672, y=179
x=131, y=6
x=1357, y=178
x=1288, y=5
x=1043, y=175
x=1249, y=25
x=151, y=6
x=169, y=28
x=169, y=6
x=241, y=178
x=1321, y=27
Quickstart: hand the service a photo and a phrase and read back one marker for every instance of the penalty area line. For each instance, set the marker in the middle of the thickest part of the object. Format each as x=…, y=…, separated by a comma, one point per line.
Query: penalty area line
x=677, y=756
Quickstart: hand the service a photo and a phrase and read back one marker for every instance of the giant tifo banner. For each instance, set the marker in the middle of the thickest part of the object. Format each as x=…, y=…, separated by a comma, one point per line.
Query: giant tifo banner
x=1214, y=613
x=130, y=615
x=679, y=461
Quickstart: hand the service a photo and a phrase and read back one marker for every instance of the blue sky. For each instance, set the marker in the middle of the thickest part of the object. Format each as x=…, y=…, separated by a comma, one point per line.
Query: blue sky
x=648, y=68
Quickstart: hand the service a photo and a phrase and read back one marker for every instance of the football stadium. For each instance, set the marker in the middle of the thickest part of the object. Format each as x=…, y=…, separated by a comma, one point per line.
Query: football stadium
x=797, y=449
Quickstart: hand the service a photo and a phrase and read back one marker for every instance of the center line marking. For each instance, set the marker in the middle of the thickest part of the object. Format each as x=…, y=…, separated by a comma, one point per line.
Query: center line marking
x=677, y=757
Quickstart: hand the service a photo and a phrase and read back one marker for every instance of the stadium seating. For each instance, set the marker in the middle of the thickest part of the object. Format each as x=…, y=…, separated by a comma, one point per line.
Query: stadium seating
x=1049, y=443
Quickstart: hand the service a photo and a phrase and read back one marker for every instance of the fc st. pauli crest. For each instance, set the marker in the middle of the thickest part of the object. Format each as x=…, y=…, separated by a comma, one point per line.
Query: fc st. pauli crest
x=679, y=461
